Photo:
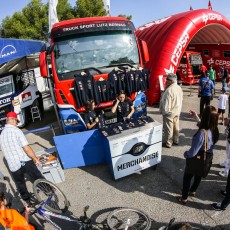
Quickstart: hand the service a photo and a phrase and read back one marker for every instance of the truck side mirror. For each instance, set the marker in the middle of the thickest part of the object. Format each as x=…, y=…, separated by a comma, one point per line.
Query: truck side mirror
x=43, y=64
x=145, y=51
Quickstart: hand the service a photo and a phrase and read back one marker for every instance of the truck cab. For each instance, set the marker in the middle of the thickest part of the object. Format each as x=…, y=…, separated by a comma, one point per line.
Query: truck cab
x=96, y=45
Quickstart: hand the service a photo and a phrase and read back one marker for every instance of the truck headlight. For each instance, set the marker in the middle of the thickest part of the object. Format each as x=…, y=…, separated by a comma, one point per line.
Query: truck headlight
x=70, y=122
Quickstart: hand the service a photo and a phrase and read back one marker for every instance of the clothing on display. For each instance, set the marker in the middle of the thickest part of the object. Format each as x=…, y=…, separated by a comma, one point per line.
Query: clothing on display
x=130, y=81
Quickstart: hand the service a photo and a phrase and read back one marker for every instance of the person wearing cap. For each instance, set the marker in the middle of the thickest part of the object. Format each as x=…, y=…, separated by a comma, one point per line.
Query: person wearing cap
x=19, y=155
x=205, y=91
x=170, y=108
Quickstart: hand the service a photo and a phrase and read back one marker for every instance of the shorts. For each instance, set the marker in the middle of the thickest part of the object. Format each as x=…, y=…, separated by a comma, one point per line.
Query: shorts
x=221, y=111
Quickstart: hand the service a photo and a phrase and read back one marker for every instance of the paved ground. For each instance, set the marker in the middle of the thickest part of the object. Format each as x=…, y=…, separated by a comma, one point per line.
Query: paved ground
x=152, y=191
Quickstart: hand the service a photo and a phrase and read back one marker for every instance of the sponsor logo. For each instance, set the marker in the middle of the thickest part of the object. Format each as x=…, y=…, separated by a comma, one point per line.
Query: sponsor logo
x=137, y=161
x=26, y=96
x=153, y=23
x=7, y=51
x=177, y=52
x=179, y=47
x=218, y=62
x=94, y=25
x=211, y=17
x=15, y=102
x=138, y=149
x=5, y=101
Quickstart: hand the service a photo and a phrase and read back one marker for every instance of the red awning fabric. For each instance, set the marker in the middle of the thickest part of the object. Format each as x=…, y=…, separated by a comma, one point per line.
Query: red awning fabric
x=168, y=38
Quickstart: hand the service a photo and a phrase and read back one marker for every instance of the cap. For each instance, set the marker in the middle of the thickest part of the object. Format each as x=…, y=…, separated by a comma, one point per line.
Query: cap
x=172, y=77
x=224, y=89
x=12, y=115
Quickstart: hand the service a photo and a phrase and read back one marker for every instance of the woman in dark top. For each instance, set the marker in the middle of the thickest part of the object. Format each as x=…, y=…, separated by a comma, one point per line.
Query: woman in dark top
x=123, y=106
x=209, y=122
x=91, y=119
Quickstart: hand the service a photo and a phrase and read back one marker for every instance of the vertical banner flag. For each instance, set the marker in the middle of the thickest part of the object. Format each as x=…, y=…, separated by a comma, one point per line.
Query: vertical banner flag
x=209, y=5
x=107, y=6
x=191, y=8
x=52, y=13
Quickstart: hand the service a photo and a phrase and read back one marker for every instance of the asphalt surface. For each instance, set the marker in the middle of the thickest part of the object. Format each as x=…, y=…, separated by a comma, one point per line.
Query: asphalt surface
x=153, y=191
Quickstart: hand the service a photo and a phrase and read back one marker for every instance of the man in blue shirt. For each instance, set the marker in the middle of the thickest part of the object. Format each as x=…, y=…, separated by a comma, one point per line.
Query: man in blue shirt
x=206, y=90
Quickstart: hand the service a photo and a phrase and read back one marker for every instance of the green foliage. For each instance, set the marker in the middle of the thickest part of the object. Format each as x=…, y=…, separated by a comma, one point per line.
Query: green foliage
x=129, y=17
x=89, y=8
x=28, y=24
x=32, y=21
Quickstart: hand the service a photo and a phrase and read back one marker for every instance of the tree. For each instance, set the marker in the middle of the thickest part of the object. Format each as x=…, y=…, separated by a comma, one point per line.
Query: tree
x=28, y=24
x=89, y=8
x=125, y=16
x=32, y=22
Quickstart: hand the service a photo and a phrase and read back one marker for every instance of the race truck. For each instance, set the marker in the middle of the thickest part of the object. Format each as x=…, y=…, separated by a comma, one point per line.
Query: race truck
x=96, y=46
x=188, y=71
x=19, y=93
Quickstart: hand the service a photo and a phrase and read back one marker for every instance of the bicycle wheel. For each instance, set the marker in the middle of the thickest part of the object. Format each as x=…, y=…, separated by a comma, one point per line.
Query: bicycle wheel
x=128, y=218
x=43, y=189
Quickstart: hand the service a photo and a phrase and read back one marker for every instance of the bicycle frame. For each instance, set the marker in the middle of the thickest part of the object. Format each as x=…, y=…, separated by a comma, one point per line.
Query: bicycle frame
x=47, y=214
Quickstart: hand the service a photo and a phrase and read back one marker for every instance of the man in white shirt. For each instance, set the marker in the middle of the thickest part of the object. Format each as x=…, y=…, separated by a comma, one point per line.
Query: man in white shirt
x=20, y=157
x=170, y=107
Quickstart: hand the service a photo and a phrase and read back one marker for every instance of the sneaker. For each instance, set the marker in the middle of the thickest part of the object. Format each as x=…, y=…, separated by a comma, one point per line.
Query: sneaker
x=166, y=145
x=217, y=207
x=222, y=164
x=176, y=143
x=223, y=174
x=223, y=193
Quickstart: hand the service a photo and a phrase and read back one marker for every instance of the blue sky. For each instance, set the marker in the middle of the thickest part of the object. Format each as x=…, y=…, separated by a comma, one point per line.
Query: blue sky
x=143, y=11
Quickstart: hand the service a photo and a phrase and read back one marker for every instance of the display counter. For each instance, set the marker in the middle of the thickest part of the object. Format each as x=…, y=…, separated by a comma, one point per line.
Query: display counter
x=134, y=149
x=126, y=152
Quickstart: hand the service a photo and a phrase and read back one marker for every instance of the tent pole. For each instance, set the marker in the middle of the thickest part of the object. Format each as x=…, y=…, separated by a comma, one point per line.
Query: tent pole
x=53, y=100
x=54, y=104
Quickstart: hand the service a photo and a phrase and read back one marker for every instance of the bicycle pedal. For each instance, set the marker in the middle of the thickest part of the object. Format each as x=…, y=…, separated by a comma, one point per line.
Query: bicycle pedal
x=85, y=220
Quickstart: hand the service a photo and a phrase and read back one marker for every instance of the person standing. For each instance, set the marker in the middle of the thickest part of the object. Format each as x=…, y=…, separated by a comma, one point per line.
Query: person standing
x=224, y=75
x=226, y=201
x=203, y=68
x=205, y=90
x=212, y=76
x=226, y=163
x=222, y=103
x=207, y=127
x=20, y=157
x=170, y=108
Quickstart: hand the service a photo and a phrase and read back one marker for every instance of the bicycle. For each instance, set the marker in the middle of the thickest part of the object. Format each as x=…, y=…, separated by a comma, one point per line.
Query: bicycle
x=53, y=203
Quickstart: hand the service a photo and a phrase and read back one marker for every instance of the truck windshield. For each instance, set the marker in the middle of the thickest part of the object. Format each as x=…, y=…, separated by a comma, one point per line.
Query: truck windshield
x=196, y=59
x=95, y=50
x=6, y=86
